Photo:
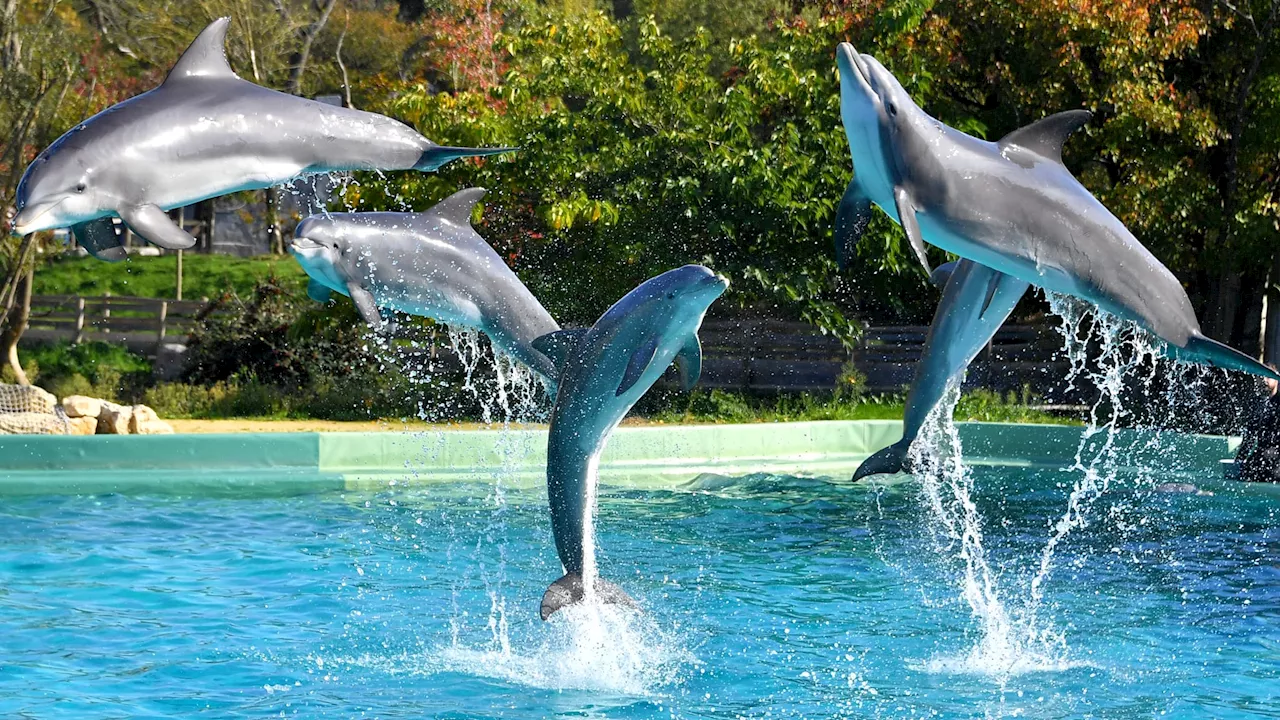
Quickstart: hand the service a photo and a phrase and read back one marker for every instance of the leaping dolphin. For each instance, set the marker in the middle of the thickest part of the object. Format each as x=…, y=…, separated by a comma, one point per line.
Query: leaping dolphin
x=603, y=372
x=1010, y=205
x=976, y=300
x=432, y=264
x=202, y=133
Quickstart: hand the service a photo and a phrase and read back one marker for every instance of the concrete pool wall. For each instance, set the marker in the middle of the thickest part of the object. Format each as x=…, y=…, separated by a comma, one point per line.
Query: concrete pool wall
x=651, y=455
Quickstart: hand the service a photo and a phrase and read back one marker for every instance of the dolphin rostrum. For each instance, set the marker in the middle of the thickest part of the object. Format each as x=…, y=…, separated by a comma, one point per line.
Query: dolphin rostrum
x=432, y=264
x=202, y=133
x=604, y=370
x=976, y=300
x=1010, y=205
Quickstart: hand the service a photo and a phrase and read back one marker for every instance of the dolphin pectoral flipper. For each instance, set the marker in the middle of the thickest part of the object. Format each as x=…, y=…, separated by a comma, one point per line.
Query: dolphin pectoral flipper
x=569, y=590
x=318, y=291
x=689, y=362
x=852, y=217
x=1003, y=293
x=941, y=275
x=1046, y=136
x=640, y=361
x=556, y=345
x=150, y=222
x=907, y=215
x=365, y=304
x=101, y=238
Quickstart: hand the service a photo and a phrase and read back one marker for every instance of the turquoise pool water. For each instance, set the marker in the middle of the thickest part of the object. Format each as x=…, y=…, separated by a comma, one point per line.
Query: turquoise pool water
x=764, y=597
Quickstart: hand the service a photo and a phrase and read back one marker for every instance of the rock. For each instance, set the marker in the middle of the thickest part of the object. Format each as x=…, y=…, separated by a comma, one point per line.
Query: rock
x=80, y=406
x=155, y=427
x=26, y=423
x=114, y=419
x=144, y=421
x=82, y=425
x=26, y=399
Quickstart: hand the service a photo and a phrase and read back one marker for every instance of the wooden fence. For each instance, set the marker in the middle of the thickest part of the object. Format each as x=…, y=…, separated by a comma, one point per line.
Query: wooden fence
x=750, y=355
x=140, y=323
x=787, y=356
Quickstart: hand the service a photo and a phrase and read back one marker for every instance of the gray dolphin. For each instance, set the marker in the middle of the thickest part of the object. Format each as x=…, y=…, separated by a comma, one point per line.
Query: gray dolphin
x=202, y=133
x=976, y=301
x=604, y=370
x=432, y=264
x=1010, y=205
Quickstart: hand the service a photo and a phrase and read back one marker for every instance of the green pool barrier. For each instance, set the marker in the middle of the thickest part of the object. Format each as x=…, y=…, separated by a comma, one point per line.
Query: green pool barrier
x=283, y=463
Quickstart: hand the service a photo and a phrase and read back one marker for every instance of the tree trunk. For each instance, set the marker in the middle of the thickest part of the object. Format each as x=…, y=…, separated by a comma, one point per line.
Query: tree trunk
x=274, y=240
x=411, y=10
x=623, y=9
x=1224, y=298
x=1247, y=333
x=298, y=63
x=17, y=324
x=1271, y=346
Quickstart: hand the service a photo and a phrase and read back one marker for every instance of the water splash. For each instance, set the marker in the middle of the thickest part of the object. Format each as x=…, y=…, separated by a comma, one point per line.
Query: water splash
x=1014, y=636
x=1009, y=642
x=588, y=646
x=512, y=393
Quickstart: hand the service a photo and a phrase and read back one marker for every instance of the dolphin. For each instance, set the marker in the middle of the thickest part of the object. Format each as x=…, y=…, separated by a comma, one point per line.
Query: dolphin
x=976, y=301
x=1010, y=205
x=202, y=133
x=604, y=370
x=432, y=264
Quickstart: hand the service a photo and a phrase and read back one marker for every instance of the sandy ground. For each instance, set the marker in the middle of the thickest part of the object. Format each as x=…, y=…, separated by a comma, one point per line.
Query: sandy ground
x=265, y=426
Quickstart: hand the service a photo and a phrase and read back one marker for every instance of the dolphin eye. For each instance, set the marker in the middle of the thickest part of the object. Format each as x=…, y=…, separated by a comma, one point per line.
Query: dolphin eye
x=80, y=186
x=893, y=109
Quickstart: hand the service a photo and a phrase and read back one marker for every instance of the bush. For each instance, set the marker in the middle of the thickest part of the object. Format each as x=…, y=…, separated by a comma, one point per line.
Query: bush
x=96, y=368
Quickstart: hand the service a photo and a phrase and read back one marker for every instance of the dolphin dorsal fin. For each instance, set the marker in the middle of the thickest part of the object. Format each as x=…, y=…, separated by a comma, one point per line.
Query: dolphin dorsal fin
x=556, y=345
x=207, y=55
x=457, y=208
x=1046, y=136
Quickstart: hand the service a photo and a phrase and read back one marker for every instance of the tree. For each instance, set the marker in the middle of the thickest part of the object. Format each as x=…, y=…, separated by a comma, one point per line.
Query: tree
x=37, y=70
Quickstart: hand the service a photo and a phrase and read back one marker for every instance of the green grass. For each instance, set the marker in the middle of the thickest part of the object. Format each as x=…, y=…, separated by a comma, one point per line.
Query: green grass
x=203, y=275
x=718, y=406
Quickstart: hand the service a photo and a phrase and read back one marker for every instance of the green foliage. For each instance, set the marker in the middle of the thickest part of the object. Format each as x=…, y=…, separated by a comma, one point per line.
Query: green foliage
x=720, y=406
x=202, y=276
x=94, y=368
x=636, y=163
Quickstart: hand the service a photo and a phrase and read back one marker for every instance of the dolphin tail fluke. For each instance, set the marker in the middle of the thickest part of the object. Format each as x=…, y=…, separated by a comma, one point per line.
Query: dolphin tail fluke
x=569, y=590
x=437, y=155
x=1202, y=349
x=886, y=462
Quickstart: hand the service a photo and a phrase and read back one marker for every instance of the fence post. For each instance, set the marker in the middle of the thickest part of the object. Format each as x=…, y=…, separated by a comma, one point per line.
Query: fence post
x=79, y=336
x=106, y=313
x=164, y=315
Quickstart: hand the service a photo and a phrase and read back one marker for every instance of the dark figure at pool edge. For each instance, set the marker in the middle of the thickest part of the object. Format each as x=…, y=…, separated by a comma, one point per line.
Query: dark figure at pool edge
x=1258, y=459
x=604, y=370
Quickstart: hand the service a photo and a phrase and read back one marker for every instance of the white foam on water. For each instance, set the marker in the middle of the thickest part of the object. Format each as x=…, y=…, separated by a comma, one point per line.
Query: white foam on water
x=601, y=648
x=589, y=646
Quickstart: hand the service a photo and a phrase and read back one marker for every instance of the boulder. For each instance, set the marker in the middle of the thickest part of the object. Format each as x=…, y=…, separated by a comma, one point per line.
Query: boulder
x=114, y=419
x=82, y=425
x=25, y=423
x=144, y=421
x=26, y=399
x=80, y=406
